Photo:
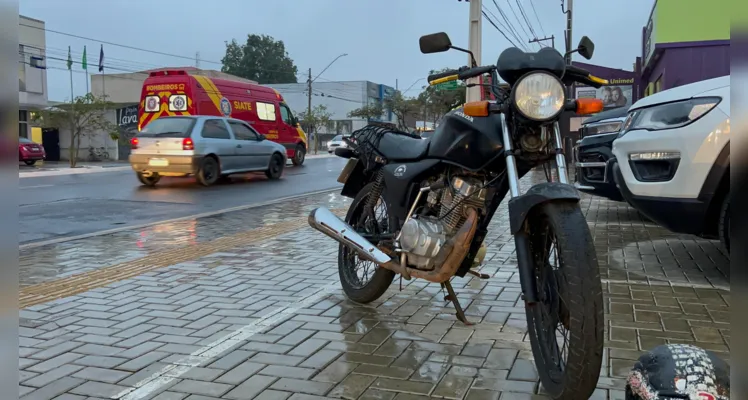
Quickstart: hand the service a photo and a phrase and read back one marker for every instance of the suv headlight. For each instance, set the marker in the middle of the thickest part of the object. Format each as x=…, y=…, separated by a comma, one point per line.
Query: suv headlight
x=539, y=96
x=670, y=115
x=601, y=128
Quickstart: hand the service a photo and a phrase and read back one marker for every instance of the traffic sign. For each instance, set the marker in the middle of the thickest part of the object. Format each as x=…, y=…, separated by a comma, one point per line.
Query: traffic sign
x=451, y=85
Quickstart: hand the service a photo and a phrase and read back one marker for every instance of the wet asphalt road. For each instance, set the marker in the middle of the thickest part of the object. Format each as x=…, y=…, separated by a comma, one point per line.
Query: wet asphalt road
x=70, y=205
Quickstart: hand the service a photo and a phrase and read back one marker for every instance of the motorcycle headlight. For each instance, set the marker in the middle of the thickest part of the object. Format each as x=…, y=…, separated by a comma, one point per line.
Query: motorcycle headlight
x=539, y=96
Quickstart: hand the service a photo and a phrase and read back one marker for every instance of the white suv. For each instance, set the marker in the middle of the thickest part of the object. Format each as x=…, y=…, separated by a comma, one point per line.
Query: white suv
x=673, y=158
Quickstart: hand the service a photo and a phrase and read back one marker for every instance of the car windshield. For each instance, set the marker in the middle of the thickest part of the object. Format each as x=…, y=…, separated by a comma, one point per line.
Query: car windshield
x=337, y=138
x=426, y=134
x=176, y=127
x=25, y=141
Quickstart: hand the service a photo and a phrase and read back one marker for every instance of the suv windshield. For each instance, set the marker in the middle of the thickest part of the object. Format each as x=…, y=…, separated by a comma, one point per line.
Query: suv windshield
x=176, y=127
x=337, y=138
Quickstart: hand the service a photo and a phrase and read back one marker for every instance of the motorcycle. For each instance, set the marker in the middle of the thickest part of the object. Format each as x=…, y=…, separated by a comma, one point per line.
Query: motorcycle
x=421, y=208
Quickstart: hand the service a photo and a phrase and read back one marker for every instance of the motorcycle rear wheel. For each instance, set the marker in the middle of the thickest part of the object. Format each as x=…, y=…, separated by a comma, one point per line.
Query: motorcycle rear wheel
x=363, y=281
x=569, y=298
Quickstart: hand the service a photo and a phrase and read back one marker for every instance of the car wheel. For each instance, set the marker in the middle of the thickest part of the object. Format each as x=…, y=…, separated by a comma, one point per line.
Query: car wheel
x=150, y=180
x=275, y=169
x=724, y=223
x=30, y=162
x=209, y=171
x=299, y=155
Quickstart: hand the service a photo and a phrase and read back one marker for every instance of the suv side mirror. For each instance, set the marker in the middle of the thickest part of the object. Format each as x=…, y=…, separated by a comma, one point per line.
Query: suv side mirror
x=586, y=47
x=435, y=43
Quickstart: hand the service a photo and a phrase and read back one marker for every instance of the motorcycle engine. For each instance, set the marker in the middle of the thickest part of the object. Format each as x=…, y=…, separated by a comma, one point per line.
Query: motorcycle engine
x=422, y=237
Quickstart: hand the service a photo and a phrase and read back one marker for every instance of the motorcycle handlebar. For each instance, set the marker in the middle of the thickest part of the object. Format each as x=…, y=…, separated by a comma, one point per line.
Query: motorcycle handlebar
x=444, y=74
x=473, y=72
x=583, y=76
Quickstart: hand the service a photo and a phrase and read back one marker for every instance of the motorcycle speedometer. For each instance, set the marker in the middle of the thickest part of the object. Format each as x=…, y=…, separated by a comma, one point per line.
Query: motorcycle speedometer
x=539, y=96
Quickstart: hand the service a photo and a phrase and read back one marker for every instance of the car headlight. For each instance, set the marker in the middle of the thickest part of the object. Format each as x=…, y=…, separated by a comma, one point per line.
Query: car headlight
x=602, y=128
x=539, y=96
x=669, y=116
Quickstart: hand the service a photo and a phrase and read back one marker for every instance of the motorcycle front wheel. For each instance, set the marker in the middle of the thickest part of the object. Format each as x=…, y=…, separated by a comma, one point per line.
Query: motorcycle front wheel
x=566, y=324
x=362, y=280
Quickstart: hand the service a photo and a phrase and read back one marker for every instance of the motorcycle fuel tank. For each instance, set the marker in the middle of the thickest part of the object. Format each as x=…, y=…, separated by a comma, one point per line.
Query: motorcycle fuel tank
x=470, y=142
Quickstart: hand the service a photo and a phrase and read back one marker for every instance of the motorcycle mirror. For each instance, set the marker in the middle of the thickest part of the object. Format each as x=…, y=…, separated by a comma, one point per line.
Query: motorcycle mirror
x=435, y=43
x=586, y=47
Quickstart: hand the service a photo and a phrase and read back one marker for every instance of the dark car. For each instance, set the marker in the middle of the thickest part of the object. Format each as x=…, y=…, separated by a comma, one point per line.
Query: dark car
x=29, y=151
x=593, y=154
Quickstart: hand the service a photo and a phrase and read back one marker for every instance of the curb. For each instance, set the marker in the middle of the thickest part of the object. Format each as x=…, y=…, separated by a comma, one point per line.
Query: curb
x=33, y=245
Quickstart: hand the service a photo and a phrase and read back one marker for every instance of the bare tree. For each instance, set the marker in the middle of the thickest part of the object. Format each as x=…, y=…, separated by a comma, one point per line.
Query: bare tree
x=86, y=115
x=319, y=117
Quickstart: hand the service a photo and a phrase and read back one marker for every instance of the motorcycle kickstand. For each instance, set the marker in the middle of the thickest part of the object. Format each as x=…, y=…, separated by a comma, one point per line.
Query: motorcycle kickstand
x=451, y=296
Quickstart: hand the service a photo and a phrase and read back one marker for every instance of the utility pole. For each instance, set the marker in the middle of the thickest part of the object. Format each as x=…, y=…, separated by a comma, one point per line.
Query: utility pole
x=552, y=39
x=396, y=86
x=476, y=26
x=197, y=60
x=569, y=7
x=309, y=106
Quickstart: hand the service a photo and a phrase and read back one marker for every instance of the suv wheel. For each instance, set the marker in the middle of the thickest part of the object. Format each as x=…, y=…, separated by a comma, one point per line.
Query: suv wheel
x=299, y=155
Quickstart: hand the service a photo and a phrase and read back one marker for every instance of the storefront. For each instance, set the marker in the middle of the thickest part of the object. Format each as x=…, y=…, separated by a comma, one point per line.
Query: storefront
x=684, y=41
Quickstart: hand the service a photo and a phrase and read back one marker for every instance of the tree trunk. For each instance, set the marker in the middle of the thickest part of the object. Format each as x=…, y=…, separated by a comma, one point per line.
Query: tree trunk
x=72, y=154
x=316, y=141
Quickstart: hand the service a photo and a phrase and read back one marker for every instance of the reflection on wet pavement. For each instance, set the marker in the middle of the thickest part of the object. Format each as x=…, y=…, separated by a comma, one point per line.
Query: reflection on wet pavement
x=56, y=261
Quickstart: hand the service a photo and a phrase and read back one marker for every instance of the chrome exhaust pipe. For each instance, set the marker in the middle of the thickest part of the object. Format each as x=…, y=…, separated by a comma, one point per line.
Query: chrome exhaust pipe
x=328, y=223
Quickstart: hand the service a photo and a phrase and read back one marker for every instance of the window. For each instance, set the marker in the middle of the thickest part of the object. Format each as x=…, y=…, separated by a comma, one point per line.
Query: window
x=266, y=111
x=286, y=114
x=243, y=132
x=215, y=129
x=168, y=127
x=23, y=126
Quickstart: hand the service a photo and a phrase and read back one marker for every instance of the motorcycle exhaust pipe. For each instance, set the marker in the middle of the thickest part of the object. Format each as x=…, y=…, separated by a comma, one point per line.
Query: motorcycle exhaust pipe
x=328, y=223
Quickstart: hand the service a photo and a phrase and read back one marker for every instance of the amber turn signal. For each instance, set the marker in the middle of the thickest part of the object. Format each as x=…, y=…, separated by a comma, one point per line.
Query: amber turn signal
x=589, y=106
x=476, y=109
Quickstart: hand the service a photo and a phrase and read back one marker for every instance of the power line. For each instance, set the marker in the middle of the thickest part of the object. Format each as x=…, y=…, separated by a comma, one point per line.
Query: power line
x=495, y=21
x=497, y=28
x=191, y=59
x=509, y=3
x=524, y=16
x=509, y=24
x=537, y=17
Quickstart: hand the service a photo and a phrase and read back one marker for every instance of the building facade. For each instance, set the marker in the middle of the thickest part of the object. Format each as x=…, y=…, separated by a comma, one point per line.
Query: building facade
x=32, y=73
x=684, y=41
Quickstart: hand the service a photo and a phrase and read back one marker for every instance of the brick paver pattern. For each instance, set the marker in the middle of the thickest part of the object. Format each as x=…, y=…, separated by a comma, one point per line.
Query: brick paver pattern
x=267, y=319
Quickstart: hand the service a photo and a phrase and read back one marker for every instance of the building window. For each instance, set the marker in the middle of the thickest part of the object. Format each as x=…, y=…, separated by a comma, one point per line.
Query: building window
x=23, y=124
x=658, y=85
x=266, y=111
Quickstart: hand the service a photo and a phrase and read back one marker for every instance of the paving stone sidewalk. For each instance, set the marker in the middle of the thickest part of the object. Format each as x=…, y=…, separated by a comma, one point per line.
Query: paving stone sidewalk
x=267, y=320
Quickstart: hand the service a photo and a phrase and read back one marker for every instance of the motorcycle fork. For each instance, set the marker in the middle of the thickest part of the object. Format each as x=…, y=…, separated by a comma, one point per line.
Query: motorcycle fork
x=521, y=239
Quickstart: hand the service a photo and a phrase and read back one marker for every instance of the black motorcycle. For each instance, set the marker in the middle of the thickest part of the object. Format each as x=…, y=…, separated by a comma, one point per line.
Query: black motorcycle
x=421, y=208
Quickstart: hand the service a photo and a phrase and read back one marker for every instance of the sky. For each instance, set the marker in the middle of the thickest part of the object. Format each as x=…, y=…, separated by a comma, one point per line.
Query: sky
x=379, y=36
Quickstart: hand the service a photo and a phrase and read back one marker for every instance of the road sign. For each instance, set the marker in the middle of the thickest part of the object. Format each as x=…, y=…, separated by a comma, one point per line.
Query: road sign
x=451, y=85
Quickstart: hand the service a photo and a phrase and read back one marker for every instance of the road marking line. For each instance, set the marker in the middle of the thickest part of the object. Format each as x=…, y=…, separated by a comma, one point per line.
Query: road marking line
x=666, y=283
x=171, y=372
x=170, y=221
x=34, y=187
x=85, y=281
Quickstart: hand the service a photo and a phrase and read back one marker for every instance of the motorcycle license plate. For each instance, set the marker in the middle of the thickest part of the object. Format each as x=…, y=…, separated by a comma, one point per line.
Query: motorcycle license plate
x=347, y=170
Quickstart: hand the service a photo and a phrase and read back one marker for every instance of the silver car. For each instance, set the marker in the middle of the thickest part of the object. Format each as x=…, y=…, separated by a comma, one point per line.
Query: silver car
x=336, y=142
x=210, y=148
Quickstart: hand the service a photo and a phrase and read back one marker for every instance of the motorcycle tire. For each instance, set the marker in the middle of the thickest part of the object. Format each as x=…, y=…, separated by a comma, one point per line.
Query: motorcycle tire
x=354, y=288
x=576, y=297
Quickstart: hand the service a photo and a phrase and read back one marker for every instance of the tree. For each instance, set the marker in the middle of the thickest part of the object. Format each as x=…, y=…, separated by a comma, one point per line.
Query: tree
x=319, y=117
x=261, y=58
x=368, y=112
x=436, y=102
x=83, y=117
x=401, y=107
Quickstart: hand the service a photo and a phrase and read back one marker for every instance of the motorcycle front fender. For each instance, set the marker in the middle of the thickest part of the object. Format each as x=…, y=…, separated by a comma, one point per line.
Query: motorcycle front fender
x=520, y=207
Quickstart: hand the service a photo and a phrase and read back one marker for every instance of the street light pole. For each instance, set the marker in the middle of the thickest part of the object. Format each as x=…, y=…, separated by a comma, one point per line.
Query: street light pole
x=474, y=45
x=309, y=95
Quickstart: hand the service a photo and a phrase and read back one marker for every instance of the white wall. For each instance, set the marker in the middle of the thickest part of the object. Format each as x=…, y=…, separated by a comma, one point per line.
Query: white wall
x=120, y=88
x=32, y=92
x=93, y=139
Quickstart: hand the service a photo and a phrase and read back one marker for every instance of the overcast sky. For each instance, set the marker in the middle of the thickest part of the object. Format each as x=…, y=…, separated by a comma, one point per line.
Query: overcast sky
x=380, y=36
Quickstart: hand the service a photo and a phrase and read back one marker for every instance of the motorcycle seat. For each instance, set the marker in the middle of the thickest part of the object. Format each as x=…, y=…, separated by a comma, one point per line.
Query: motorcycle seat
x=401, y=148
